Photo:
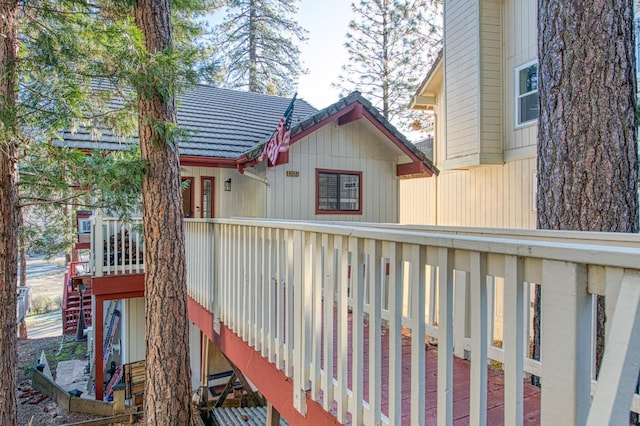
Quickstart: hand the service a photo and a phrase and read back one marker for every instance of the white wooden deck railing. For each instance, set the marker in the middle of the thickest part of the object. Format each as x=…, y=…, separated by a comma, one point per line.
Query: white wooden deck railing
x=23, y=305
x=117, y=247
x=273, y=278
x=199, y=249
x=270, y=281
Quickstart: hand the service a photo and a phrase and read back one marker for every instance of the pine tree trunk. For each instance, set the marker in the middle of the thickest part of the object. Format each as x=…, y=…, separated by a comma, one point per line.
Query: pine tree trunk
x=253, y=49
x=9, y=213
x=587, y=152
x=168, y=374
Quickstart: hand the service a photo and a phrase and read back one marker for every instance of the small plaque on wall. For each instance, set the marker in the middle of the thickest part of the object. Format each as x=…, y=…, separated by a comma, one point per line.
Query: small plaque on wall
x=293, y=173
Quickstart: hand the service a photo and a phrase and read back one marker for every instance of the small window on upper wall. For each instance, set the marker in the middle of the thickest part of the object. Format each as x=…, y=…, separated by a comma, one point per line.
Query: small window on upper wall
x=338, y=192
x=527, y=93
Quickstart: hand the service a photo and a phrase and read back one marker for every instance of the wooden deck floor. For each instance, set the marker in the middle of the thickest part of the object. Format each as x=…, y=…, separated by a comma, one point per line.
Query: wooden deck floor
x=461, y=386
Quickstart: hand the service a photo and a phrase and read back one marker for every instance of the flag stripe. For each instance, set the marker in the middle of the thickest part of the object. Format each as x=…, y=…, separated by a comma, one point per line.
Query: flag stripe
x=279, y=141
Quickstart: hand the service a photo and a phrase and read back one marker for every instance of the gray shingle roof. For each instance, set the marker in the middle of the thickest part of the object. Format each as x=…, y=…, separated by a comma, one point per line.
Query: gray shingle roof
x=221, y=123
x=426, y=146
x=227, y=124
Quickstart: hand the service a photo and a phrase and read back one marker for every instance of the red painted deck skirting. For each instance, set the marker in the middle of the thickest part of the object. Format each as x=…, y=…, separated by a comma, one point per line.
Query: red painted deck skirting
x=202, y=318
x=272, y=383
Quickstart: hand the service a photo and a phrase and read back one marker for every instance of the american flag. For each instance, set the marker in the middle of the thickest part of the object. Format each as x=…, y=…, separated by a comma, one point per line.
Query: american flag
x=279, y=141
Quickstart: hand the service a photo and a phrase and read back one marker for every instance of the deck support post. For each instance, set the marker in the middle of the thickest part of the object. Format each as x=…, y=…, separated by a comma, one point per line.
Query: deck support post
x=621, y=361
x=461, y=315
x=565, y=343
x=300, y=254
x=273, y=417
x=445, y=337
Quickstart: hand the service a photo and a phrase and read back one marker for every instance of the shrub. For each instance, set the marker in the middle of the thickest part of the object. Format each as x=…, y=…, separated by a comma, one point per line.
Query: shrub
x=44, y=304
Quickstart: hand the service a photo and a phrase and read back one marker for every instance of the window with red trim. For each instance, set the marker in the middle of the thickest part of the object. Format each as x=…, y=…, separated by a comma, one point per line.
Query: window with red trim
x=338, y=191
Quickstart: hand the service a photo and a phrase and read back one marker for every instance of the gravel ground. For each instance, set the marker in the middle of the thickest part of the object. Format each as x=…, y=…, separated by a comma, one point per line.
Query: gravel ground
x=46, y=279
x=35, y=407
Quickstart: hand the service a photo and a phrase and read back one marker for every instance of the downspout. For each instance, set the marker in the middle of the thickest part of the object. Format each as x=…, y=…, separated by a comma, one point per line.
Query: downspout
x=435, y=135
x=255, y=177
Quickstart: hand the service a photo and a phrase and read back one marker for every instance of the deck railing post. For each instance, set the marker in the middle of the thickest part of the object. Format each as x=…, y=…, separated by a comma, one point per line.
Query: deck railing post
x=342, y=308
x=417, y=255
x=301, y=252
x=461, y=312
x=621, y=361
x=391, y=252
x=216, y=276
x=445, y=337
x=565, y=343
x=513, y=340
x=376, y=273
x=328, y=333
x=356, y=246
x=478, y=381
x=97, y=239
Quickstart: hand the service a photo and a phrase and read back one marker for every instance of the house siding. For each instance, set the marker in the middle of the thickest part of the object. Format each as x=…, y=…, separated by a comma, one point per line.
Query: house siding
x=352, y=147
x=490, y=196
x=473, y=52
x=133, y=337
x=234, y=203
x=461, y=52
x=491, y=76
x=520, y=47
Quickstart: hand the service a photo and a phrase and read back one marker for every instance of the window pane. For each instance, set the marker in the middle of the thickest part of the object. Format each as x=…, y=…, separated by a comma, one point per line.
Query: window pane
x=528, y=79
x=327, y=191
x=187, y=202
x=349, y=192
x=528, y=108
x=206, y=198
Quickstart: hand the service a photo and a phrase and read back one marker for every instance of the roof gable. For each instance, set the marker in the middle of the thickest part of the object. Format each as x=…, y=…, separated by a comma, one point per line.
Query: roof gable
x=229, y=127
x=354, y=107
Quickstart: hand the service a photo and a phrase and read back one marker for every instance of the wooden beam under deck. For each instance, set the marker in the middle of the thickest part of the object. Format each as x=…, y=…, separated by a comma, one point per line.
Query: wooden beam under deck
x=271, y=383
x=278, y=389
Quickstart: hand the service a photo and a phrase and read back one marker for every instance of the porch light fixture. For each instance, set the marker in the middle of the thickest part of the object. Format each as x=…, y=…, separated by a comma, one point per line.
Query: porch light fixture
x=227, y=185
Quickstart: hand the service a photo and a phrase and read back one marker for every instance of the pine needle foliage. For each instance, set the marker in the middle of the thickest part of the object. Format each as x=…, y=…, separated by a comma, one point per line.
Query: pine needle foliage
x=390, y=44
x=257, y=46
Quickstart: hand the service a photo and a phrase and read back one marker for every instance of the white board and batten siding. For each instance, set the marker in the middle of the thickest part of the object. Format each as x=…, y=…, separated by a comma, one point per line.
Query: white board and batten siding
x=461, y=47
x=353, y=147
x=133, y=337
x=473, y=78
x=520, y=47
x=232, y=203
x=491, y=82
x=499, y=196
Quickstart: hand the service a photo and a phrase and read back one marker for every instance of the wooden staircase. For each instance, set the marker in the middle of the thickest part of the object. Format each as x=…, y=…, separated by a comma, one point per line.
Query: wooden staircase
x=71, y=301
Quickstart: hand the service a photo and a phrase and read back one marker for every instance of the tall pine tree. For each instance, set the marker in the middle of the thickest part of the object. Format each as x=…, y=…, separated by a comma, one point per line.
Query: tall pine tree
x=43, y=56
x=50, y=53
x=9, y=214
x=390, y=44
x=587, y=129
x=168, y=372
x=257, y=51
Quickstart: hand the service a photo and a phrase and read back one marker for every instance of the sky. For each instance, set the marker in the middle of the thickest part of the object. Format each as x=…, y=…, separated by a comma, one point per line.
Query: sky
x=324, y=53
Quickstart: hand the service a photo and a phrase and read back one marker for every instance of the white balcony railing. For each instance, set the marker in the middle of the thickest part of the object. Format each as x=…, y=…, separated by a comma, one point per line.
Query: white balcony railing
x=23, y=305
x=199, y=249
x=117, y=247
x=305, y=294
x=273, y=278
